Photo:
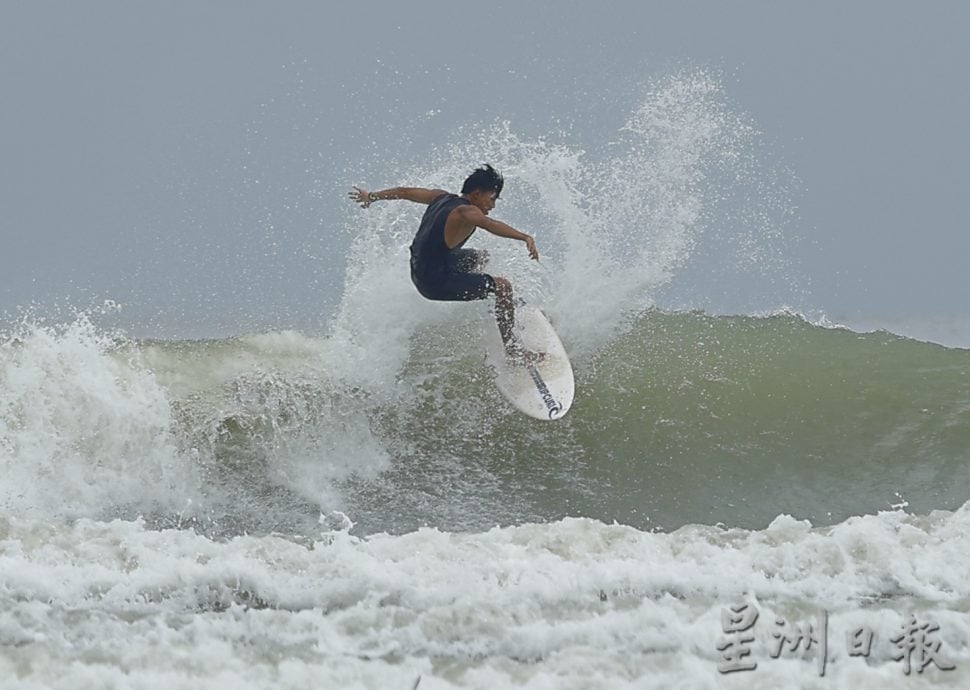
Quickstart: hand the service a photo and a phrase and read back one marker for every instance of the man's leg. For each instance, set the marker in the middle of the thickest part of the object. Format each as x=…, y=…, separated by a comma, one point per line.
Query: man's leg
x=464, y=286
x=505, y=316
x=504, y=310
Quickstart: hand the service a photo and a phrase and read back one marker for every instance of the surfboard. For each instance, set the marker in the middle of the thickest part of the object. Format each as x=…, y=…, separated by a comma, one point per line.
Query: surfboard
x=544, y=390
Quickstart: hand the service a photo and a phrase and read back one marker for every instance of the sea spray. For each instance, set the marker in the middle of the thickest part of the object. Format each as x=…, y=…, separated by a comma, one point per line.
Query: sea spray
x=85, y=427
x=613, y=225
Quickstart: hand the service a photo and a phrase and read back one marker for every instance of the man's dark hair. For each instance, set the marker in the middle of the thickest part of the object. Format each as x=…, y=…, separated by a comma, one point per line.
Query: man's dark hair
x=485, y=178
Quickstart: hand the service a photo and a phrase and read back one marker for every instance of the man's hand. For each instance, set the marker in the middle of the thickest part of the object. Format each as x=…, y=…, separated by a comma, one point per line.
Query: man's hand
x=360, y=196
x=531, y=246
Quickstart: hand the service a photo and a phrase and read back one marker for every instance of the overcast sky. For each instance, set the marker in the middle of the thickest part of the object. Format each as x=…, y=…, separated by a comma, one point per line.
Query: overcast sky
x=189, y=159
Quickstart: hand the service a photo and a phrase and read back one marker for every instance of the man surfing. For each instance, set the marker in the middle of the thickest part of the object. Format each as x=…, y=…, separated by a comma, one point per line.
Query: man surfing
x=440, y=268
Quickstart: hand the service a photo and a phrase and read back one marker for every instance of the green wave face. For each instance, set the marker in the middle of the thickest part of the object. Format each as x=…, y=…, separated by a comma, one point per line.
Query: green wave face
x=741, y=419
x=683, y=418
x=689, y=418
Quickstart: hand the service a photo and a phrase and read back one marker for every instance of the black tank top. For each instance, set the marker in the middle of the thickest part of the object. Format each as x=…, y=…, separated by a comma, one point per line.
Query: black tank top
x=429, y=253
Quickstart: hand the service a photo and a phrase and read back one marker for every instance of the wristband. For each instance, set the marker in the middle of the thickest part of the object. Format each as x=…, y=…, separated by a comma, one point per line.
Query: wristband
x=371, y=196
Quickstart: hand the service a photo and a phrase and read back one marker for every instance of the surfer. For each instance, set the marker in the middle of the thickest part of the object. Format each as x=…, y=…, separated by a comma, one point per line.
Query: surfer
x=440, y=268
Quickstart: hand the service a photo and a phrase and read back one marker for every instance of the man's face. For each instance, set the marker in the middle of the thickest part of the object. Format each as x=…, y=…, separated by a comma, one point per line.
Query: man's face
x=483, y=200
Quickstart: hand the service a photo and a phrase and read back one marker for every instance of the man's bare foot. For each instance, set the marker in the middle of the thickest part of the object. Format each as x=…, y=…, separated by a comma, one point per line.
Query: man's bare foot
x=520, y=357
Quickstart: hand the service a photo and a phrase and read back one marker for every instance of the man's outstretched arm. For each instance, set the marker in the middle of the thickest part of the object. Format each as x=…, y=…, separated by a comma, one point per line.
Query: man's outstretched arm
x=473, y=215
x=418, y=195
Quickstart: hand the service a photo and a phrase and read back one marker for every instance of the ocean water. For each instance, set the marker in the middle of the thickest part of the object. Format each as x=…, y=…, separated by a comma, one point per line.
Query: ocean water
x=360, y=509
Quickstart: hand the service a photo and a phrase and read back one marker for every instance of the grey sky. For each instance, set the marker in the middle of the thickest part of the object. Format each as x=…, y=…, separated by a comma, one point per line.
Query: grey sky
x=189, y=159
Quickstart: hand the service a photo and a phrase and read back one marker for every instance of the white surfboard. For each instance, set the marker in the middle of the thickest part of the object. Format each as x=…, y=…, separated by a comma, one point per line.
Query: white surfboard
x=544, y=390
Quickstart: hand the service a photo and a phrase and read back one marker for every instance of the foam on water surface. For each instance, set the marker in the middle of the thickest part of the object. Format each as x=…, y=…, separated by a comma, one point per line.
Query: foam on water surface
x=575, y=603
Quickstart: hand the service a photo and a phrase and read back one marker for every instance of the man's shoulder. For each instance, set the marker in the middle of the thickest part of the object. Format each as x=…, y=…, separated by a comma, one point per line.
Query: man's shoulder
x=463, y=209
x=441, y=196
x=466, y=216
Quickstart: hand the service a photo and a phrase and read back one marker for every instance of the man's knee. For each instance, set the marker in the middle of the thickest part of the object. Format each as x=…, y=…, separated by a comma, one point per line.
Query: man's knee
x=503, y=287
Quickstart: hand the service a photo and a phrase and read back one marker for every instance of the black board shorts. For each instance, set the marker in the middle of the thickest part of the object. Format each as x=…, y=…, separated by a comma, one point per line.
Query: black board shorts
x=457, y=281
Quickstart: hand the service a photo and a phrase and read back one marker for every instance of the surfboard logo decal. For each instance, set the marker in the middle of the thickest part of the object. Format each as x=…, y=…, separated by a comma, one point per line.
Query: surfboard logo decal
x=552, y=405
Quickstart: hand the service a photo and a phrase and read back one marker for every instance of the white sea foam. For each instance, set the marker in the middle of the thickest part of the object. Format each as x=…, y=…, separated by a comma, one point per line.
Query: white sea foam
x=573, y=604
x=83, y=427
x=95, y=425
